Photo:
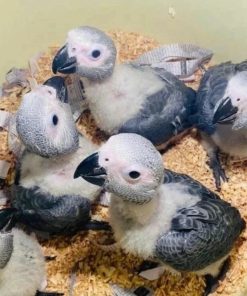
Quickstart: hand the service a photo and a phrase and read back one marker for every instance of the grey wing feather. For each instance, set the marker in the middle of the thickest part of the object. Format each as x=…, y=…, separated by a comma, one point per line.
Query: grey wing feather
x=46, y=212
x=6, y=248
x=193, y=187
x=200, y=235
x=164, y=114
x=211, y=90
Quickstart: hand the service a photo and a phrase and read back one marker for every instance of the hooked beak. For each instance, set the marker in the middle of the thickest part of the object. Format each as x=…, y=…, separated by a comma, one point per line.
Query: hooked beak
x=62, y=63
x=225, y=113
x=58, y=83
x=90, y=170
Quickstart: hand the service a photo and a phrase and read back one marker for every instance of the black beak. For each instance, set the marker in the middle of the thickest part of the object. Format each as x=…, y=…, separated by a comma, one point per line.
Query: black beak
x=225, y=113
x=62, y=63
x=90, y=170
x=58, y=83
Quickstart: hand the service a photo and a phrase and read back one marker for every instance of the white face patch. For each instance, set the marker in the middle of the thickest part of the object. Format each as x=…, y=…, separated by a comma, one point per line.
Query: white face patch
x=45, y=124
x=237, y=91
x=134, y=167
x=132, y=157
x=87, y=49
x=122, y=170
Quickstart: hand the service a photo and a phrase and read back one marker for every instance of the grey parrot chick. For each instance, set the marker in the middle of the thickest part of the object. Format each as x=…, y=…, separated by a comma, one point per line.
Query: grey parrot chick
x=125, y=98
x=22, y=265
x=45, y=194
x=221, y=114
x=159, y=214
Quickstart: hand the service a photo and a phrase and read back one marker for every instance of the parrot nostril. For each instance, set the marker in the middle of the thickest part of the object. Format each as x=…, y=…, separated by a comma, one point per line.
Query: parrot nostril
x=49, y=92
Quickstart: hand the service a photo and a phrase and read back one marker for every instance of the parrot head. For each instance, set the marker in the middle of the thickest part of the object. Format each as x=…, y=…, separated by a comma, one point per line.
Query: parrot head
x=88, y=52
x=44, y=120
x=232, y=109
x=127, y=165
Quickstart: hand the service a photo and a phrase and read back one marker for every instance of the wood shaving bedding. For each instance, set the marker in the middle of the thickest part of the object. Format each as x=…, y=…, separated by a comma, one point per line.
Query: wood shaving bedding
x=81, y=266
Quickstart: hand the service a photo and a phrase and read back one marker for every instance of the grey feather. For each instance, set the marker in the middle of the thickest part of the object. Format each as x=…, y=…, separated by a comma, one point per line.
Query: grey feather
x=6, y=248
x=200, y=235
x=44, y=212
x=193, y=187
x=162, y=116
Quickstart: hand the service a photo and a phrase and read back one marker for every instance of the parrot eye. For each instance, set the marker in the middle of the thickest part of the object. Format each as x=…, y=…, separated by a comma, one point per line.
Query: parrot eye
x=95, y=53
x=55, y=119
x=134, y=174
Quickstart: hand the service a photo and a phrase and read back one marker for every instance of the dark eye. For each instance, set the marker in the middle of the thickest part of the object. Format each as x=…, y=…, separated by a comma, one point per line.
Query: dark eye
x=134, y=174
x=96, y=53
x=238, y=99
x=55, y=119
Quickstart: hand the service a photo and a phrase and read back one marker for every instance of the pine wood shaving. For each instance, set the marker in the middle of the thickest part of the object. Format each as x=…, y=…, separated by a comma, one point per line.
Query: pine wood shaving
x=95, y=267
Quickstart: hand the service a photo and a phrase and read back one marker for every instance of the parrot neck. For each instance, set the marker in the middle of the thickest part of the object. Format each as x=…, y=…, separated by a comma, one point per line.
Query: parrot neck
x=131, y=211
x=100, y=79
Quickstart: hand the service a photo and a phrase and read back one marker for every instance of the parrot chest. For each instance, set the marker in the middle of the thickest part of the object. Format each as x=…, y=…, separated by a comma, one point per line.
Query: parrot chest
x=56, y=175
x=27, y=261
x=120, y=97
x=232, y=142
x=137, y=227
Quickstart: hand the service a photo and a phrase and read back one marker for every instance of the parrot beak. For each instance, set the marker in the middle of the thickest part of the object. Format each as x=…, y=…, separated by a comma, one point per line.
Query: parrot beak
x=90, y=170
x=62, y=63
x=225, y=113
x=58, y=83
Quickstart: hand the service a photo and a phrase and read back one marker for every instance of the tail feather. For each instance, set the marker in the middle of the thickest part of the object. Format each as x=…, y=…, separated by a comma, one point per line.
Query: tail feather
x=8, y=217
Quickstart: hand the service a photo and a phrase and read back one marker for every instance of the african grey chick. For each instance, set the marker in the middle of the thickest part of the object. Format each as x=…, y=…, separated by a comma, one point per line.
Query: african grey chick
x=159, y=214
x=22, y=265
x=221, y=107
x=126, y=97
x=45, y=194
